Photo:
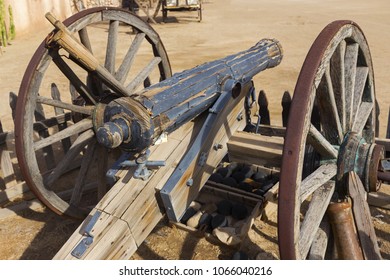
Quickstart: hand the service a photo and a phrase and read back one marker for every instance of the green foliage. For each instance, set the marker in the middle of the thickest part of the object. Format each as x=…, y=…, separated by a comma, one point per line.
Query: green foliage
x=3, y=30
x=12, y=31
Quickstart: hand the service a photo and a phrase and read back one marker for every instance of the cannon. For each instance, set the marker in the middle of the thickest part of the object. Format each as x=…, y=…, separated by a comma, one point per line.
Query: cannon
x=132, y=142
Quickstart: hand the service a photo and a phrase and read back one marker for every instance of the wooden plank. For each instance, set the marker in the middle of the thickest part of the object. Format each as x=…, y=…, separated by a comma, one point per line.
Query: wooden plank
x=110, y=242
x=255, y=149
x=271, y=130
x=380, y=200
x=7, y=169
x=148, y=216
x=140, y=209
x=97, y=231
x=120, y=194
x=362, y=217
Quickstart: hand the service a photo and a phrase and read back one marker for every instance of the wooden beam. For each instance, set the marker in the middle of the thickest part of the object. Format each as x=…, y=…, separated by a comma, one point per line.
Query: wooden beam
x=255, y=149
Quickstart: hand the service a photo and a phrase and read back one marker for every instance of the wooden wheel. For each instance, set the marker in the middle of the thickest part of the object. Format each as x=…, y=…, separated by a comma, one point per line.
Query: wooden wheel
x=332, y=114
x=58, y=154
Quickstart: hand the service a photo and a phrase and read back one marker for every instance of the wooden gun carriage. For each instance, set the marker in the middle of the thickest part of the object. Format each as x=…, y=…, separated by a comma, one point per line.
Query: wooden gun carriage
x=158, y=138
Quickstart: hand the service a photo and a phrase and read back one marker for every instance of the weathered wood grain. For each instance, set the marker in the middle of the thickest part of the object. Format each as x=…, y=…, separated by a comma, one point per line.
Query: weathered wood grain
x=314, y=215
x=255, y=149
x=318, y=178
x=362, y=217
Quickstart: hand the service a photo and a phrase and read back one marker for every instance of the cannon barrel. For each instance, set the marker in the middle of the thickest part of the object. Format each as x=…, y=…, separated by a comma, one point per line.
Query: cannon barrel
x=136, y=122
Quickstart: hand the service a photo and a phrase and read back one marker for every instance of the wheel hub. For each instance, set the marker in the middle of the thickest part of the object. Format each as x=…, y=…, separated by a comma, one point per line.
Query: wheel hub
x=355, y=154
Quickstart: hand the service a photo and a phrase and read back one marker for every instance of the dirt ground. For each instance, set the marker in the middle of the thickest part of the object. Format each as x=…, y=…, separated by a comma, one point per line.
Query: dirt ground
x=228, y=26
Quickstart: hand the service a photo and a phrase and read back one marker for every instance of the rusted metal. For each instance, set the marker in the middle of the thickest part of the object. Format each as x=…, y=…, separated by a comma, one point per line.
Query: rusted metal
x=384, y=176
x=378, y=154
x=346, y=239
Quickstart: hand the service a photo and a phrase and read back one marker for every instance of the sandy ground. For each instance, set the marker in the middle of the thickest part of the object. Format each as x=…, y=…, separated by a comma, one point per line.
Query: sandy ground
x=228, y=26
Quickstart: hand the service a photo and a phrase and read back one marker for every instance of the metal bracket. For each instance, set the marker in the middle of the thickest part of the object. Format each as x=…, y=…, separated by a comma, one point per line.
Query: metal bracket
x=142, y=164
x=111, y=177
x=202, y=159
x=80, y=249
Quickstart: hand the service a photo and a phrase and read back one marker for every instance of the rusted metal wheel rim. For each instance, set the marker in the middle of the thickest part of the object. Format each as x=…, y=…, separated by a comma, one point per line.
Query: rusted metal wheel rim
x=328, y=44
x=31, y=85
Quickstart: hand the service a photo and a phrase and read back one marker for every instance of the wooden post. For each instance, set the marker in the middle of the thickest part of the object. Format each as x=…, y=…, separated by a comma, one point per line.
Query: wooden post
x=263, y=111
x=286, y=103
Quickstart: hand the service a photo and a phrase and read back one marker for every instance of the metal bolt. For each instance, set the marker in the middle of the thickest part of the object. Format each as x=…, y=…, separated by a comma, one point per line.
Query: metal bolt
x=190, y=182
x=240, y=117
x=217, y=147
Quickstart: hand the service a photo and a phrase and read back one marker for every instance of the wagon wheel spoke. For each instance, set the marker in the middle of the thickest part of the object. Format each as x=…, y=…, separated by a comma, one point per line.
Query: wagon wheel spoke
x=59, y=163
x=109, y=63
x=351, y=56
x=330, y=120
x=86, y=110
x=333, y=112
x=360, y=82
x=79, y=86
x=94, y=84
x=362, y=116
x=124, y=68
x=317, y=179
x=81, y=177
x=72, y=130
x=321, y=144
x=314, y=215
x=84, y=39
x=337, y=76
x=143, y=74
x=77, y=146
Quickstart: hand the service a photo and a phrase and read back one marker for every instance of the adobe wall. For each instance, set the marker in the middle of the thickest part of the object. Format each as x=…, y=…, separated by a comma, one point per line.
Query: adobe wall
x=29, y=15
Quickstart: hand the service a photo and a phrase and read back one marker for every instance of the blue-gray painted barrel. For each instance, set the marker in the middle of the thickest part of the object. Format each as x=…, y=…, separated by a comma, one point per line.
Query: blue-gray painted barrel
x=185, y=95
